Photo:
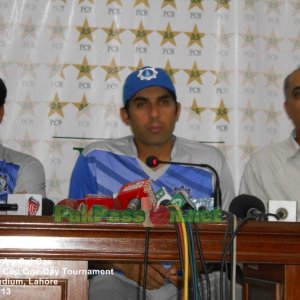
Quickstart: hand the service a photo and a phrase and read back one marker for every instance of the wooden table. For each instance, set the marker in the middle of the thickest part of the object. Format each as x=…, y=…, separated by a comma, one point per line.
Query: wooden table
x=54, y=246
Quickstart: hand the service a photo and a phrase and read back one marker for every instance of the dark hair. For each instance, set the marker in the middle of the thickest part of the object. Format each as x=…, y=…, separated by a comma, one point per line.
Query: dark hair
x=126, y=106
x=3, y=92
x=286, y=83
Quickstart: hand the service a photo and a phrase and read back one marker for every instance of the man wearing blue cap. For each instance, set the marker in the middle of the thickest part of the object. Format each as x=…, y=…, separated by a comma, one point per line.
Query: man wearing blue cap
x=151, y=110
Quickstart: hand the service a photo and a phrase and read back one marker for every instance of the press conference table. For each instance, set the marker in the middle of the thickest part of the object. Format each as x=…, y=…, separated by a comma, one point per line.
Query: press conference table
x=64, y=247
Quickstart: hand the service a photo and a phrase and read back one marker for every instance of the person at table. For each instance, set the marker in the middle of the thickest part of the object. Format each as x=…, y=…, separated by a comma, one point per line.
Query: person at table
x=151, y=109
x=273, y=172
x=19, y=172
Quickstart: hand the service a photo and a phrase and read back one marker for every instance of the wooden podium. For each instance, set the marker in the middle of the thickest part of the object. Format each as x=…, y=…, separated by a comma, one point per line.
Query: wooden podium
x=34, y=250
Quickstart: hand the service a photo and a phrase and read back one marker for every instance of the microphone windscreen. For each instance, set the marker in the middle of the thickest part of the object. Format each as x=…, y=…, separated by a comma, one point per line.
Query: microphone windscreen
x=152, y=161
x=241, y=204
x=47, y=207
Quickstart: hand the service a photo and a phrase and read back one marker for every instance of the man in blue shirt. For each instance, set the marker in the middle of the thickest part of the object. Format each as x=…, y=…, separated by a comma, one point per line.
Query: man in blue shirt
x=151, y=110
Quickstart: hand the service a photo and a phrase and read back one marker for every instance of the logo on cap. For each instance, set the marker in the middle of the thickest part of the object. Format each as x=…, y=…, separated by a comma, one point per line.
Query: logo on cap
x=147, y=74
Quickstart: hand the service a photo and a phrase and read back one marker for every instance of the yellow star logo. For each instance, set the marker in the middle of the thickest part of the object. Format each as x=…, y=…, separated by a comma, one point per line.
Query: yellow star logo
x=248, y=75
x=56, y=106
x=57, y=68
x=272, y=78
x=145, y=2
x=249, y=4
x=83, y=105
x=168, y=35
x=3, y=26
x=169, y=2
x=3, y=65
x=296, y=43
x=28, y=68
x=27, y=143
x=85, y=69
x=248, y=112
x=113, y=33
x=27, y=106
x=91, y=1
x=86, y=31
x=54, y=186
x=296, y=5
x=222, y=75
x=248, y=149
x=57, y=30
x=196, y=3
x=273, y=41
x=272, y=114
x=221, y=112
x=222, y=4
x=274, y=6
x=249, y=38
x=171, y=71
x=195, y=37
x=196, y=108
x=141, y=34
x=224, y=37
x=195, y=74
x=139, y=66
x=29, y=29
x=114, y=1
x=112, y=71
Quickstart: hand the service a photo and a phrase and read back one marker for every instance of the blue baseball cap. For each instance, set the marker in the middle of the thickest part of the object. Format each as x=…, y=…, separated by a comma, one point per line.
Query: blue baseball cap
x=146, y=77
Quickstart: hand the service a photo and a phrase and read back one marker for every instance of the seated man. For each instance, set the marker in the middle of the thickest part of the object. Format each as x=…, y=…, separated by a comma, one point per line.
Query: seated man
x=272, y=172
x=19, y=172
x=151, y=110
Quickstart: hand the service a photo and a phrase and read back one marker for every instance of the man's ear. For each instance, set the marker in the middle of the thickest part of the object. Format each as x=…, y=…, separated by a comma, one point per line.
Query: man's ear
x=124, y=116
x=287, y=108
x=1, y=113
x=178, y=111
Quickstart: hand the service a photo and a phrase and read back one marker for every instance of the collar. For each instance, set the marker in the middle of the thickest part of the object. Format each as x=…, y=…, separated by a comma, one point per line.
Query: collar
x=293, y=145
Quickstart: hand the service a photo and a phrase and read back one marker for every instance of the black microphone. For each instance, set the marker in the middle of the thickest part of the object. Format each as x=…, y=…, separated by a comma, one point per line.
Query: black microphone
x=247, y=205
x=8, y=207
x=153, y=161
x=47, y=207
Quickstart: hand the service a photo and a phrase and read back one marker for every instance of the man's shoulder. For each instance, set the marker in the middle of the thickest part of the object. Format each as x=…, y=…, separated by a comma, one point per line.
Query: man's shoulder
x=266, y=153
x=16, y=157
x=191, y=145
x=198, y=151
x=118, y=145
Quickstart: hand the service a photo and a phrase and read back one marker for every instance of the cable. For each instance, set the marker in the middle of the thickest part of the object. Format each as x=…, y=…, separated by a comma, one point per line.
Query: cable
x=193, y=260
x=146, y=261
x=223, y=267
x=243, y=221
x=181, y=224
x=203, y=264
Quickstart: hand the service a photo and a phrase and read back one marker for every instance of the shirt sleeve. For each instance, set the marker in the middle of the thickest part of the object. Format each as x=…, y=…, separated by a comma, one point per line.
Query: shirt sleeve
x=31, y=179
x=82, y=180
x=227, y=186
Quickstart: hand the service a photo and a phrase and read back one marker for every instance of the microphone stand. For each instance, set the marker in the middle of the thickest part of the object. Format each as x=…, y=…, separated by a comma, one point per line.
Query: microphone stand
x=217, y=193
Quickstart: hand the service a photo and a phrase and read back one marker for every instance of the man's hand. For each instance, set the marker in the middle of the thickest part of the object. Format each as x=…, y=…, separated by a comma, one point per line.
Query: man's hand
x=157, y=275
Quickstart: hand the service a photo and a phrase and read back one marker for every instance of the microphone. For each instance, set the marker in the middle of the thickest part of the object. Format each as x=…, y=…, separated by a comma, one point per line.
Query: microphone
x=10, y=206
x=47, y=207
x=153, y=161
x=282, y=213
x=134, y=204
x=247, y=205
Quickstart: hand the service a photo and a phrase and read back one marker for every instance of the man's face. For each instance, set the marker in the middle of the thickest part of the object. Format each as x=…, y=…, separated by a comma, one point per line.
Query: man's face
x=152, y=114
x=292, y=104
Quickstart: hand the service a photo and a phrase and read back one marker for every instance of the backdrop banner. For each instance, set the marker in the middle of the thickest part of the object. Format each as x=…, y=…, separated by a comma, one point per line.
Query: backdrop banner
x=64, y=63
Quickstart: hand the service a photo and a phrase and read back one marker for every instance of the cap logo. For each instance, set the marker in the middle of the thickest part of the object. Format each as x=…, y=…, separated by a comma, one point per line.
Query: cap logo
x=147, y=74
